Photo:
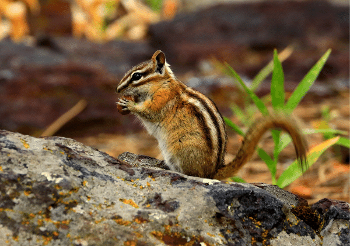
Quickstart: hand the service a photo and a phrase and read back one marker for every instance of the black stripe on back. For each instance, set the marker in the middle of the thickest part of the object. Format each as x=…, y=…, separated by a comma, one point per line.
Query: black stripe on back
x=198, y=114
x=216, y=124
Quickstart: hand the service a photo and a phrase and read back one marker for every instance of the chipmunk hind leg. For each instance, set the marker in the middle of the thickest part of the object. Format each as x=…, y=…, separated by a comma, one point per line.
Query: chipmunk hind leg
x=192, y=162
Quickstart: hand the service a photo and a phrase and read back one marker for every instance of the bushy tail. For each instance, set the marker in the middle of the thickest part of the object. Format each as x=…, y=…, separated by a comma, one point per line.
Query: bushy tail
x=253, y=136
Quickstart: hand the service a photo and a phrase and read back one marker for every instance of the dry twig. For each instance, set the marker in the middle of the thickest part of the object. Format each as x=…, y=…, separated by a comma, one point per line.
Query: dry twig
x=63, y=119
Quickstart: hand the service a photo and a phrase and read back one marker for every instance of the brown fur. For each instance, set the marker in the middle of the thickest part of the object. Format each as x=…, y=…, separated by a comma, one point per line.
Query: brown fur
x=189, y=128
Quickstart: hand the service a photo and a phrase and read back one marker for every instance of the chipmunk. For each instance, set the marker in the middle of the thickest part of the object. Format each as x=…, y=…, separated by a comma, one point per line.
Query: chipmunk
x=188, y=126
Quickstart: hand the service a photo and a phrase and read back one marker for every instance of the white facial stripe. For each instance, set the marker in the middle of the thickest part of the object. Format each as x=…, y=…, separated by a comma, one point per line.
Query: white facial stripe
x=126, y=81
x=144, y=78
x=141, y=70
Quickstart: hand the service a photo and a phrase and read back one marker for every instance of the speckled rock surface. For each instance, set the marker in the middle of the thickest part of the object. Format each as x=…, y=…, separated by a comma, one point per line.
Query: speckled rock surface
x=56, y=191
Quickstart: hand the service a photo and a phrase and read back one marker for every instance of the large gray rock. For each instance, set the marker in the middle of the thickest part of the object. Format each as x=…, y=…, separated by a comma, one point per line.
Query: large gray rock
x=56, y=191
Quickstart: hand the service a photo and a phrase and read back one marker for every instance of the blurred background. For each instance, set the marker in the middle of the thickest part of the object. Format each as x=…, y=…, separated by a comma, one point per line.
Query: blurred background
x=61, y=60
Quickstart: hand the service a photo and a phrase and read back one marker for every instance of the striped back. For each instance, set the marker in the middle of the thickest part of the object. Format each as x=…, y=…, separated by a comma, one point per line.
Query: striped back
x=211, y=122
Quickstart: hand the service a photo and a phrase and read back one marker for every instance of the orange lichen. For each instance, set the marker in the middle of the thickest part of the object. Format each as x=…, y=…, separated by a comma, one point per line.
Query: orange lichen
x=99, y=221
x=66, y=222
x=120, y=221
x=25, y=144
x=130, y=243
x=157, y=234
x=129, y=202
x=139, y=220
x=175, y=238
x=74, y=190
x=46, y=240
x=58, y=187
x=210, y=235
x=138, y=235
x=48, y=220
x=47, y=149
x=167, y=228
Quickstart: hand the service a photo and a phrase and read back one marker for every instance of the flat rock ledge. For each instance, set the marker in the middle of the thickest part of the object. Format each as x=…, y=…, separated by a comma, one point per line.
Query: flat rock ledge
x=57, y=191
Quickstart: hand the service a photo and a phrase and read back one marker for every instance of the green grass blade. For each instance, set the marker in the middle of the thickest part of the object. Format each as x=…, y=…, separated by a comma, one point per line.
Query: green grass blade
x=286, y=139
x=276, y=136
x=271, y=164
x=277, y=84
x=234, y=126
x=330, y=130
x=155, y=5
x=238, y=112
x=238, y=179
x=306, y=83
x=261, y=76
x=293, y=171
x=263, y=73
x=259, y=104
x=344, y=142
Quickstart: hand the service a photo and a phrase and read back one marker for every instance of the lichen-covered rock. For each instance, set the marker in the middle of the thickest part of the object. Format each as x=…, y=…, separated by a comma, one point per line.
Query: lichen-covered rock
x=56, y=191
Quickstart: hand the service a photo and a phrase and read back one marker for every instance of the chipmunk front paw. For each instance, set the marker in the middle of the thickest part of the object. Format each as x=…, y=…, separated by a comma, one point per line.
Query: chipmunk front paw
x=124, y=104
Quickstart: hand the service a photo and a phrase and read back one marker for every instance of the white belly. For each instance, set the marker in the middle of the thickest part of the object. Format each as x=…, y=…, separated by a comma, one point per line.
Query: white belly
x=158, y=132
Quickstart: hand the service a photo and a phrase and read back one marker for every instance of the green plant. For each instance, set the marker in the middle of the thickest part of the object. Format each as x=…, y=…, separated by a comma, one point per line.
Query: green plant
x=279, y=104
x=155, y=5
x=323, y=126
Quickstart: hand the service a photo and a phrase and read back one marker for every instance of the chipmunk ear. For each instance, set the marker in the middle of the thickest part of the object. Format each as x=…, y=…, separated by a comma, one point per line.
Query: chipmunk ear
x=159, y=61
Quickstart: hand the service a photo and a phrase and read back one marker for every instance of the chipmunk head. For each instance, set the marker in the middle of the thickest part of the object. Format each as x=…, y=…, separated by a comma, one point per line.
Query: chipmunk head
x=146, y=74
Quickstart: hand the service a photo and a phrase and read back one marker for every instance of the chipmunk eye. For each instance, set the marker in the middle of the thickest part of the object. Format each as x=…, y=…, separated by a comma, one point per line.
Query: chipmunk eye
x=136, y=76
